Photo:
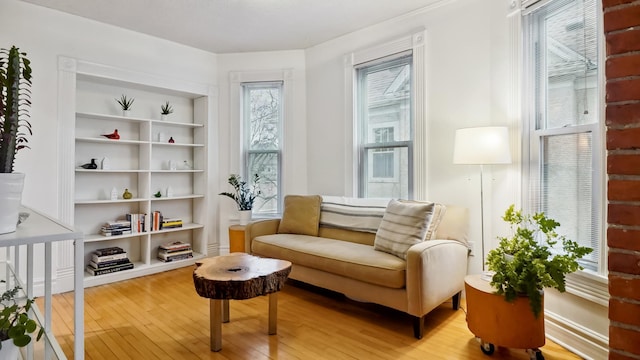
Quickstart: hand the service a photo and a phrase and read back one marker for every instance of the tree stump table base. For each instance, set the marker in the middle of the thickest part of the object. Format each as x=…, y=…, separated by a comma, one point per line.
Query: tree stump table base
x=238, y=276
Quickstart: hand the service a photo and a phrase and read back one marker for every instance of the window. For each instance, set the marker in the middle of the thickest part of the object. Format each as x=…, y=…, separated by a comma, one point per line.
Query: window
x=262, y=134
x=384, y=98
x=565, y=148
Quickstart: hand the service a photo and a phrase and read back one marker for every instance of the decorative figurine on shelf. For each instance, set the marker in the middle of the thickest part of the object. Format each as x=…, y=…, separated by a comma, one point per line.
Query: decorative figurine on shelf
x=106, y=165
x=171, y=141
x=158, y=194
x=187, y=165
x=113, y=136
x=127, y=195
x=92, y=165
x=114, y=194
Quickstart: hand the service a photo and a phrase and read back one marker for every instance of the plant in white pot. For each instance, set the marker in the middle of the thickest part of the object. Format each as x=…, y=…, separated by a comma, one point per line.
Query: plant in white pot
x=16, y=326
x=15, y=101
x=165, y=110
x=126, y=104
x=244, y=195
x=534, y=257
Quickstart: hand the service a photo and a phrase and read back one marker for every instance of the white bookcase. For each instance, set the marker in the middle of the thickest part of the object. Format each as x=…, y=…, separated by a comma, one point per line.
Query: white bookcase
x=139, y=162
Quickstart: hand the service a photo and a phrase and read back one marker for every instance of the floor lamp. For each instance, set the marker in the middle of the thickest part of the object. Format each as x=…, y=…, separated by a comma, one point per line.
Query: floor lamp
x=482, y=146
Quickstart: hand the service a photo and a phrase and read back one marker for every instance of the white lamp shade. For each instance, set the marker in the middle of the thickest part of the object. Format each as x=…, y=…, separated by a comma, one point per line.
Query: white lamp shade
x=482, y=145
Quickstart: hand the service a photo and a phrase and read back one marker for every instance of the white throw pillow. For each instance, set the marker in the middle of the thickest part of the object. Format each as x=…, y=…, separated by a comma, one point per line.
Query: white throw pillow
x=404, y=224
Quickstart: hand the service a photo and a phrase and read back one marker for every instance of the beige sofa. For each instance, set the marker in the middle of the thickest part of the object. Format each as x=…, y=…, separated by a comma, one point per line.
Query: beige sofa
x=345, y=261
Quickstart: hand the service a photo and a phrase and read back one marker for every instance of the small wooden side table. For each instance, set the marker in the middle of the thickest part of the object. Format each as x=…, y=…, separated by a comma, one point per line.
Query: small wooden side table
x=236, y=238
x=497, y=322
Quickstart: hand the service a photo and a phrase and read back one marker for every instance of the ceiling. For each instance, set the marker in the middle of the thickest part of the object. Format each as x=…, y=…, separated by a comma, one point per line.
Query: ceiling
x=229, y=26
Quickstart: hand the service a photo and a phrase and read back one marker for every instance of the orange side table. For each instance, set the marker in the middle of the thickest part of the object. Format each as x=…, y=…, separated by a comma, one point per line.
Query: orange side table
x=498, y=322
x=236, y=238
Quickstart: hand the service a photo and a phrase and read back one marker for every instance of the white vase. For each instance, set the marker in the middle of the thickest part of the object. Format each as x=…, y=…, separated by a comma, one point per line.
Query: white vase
x=9, y=350
x=245, y=217
x=11, y=185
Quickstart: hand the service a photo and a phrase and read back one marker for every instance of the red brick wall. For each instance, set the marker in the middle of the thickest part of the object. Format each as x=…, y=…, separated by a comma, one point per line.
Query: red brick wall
x=622, y=32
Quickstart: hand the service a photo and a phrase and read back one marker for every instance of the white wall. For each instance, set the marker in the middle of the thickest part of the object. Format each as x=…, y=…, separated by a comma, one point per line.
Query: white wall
x=45, y=34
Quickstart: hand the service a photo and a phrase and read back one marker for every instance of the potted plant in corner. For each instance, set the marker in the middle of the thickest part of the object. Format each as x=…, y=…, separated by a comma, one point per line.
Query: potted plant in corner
x=15, y=323
x=15, y=101
x=534, y=257
x=165, y=110
x=244, y=195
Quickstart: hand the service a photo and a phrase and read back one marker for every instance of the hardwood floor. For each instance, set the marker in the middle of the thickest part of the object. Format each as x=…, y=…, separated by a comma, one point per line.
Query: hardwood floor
x=161, y=317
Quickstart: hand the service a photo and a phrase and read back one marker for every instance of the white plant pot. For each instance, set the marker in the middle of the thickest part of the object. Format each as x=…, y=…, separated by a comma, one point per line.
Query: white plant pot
x=245, y=217
x=164, y=117
x=9, y=350
x=126, y=113
x=11, y=185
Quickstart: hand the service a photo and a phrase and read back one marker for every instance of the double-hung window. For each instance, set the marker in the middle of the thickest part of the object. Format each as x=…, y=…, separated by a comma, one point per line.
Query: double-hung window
x=262, y=134
x=565, y=151
x=384, y=97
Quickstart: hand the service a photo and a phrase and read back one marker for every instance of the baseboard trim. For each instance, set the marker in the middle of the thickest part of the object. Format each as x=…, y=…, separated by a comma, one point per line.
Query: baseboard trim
x=575, y=337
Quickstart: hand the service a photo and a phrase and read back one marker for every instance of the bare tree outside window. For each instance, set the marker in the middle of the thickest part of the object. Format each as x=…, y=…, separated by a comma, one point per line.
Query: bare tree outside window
x=262, y=114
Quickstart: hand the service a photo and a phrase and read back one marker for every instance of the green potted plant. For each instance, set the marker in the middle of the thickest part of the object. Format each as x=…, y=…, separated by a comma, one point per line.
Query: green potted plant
x=165, y=110
x=126, y=104
x=15, y=323
x=244, y=195
x=534, y=257
x=15, y=102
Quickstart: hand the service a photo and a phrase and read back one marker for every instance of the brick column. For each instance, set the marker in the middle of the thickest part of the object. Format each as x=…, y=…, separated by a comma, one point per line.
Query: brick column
x=622, y=32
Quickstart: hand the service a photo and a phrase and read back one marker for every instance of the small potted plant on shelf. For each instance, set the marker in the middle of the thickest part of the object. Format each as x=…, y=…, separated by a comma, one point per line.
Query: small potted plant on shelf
x=244, y=195
x=15, y=323
x=534, y=257
x=126, y=104
x=165, y=110
x=15, y=101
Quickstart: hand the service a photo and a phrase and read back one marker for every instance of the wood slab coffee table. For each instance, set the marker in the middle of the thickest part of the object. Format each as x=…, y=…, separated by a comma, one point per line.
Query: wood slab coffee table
x=238, y=276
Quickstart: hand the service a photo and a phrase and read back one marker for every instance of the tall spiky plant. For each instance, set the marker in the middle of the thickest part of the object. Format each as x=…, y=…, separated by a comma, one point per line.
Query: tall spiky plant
x=15, y=101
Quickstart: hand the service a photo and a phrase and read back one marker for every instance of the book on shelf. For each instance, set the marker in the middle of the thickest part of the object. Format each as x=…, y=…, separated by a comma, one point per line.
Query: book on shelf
x=169, y=223
x=156, y=220
x=93, y=271
x=115, y=232
x=176, y=257
x=165, y=255
x=105, y=264
x=109, y=251
x=99, y=259
x=175, y=246
x=137, y=222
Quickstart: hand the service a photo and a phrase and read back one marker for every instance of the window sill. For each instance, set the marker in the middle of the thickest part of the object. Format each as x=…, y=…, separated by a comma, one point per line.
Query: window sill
x=589, y=286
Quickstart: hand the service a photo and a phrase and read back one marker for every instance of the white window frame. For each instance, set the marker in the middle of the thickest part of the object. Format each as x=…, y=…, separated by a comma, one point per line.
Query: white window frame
x=416, y=43
x=236, y=158
x=589, y=285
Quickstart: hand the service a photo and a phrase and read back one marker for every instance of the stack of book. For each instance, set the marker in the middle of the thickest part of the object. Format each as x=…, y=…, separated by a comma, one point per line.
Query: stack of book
x=175, y=251
x=170, y=223
x=108, y=260
x=118, y=227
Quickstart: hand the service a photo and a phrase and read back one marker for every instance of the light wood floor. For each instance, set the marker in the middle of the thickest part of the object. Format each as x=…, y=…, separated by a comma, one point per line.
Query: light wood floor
x=162, y=317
